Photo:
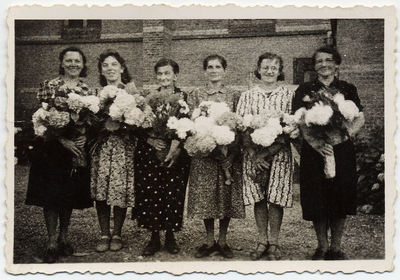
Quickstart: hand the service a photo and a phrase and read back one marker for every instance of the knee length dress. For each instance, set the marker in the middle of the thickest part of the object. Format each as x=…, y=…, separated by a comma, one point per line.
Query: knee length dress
x=54, y=182
x=160, y=191
x=279, y=188
x=208, y=196
x=112, y=171
x=323, y=198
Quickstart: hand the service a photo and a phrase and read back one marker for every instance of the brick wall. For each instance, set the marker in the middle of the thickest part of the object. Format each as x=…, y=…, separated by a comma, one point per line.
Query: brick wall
x=361, y=44
x=142, y=43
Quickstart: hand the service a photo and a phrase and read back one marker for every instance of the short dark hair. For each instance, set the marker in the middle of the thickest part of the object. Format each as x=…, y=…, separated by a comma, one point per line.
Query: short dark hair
x=269, y=55
x=221, y=59
x=335, y=54
x=165, y=62
x=125, y=76
x=61, y=71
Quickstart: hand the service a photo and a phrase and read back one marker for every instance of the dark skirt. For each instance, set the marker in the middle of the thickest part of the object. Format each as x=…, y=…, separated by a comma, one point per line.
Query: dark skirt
x=323, y=198
x=53, y=182
x=159, y=191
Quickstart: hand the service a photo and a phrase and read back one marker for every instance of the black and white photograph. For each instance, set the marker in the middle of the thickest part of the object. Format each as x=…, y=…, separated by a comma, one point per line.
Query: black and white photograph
x=242, y=143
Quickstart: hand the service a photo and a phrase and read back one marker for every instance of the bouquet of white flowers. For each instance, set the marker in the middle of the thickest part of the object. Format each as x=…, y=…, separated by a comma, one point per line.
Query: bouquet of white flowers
x=67, y=113
x=328, y=118
x=212, y=130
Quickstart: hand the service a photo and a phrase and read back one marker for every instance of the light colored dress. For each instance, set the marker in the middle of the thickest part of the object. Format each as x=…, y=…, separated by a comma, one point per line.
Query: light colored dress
x=112, y=170
x=279, y=186
x=208, y=196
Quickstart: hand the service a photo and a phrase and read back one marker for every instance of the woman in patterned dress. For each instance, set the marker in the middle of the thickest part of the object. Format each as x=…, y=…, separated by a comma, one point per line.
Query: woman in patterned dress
x=209, y=197
x=54, y=182
x=160, y=189
x=112, y=173
x=276, y=159
x=327, y=202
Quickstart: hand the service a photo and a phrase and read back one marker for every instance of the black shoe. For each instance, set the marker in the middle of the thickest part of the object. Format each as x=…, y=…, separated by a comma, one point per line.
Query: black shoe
x=258, y=253
x=336, y=256
x=51, y=255
x=320, y=255
x=151, y=248
x=172, y=247
x=205, y=250
x=65, y=249
x=226, y=251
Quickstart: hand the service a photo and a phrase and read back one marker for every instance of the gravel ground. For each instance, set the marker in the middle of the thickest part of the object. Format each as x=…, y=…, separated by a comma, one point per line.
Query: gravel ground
x=364, y=238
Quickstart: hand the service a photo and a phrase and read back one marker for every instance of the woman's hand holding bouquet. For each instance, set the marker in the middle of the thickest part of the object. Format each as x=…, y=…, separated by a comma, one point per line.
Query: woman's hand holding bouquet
x=166, y=109
x=211, y=132
x=264, y=135
x=327, y=120
x=65, y=116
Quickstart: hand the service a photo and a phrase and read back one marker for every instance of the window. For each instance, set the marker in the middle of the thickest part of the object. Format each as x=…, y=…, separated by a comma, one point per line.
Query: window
x=81, y=29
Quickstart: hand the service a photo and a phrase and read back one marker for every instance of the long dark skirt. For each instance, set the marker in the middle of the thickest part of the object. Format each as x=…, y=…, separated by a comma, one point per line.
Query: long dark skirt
x=53, y=182
x=323, y=198
x=159, y=191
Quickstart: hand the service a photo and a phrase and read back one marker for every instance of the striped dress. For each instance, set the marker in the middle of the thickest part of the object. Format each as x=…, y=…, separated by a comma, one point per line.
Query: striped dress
x=279, y=186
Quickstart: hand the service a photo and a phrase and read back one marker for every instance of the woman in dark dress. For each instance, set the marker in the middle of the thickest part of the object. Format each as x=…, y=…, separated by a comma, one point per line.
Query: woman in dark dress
x=324, y=201
x=160, y=189
x=55, y=183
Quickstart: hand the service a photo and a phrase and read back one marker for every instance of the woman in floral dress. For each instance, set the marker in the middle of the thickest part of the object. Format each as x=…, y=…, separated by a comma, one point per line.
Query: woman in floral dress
x=209, y=198
x=277, y=158
x=160, y=189
x=112, y=174
x=55, y=183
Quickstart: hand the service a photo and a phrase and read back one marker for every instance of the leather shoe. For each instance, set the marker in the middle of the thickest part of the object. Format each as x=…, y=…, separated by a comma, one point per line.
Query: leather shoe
x=320, y=255
x=151, y=248
x=65, y=249
x=226, y=251
x=205, y=250
x=172, y=247
x=260, y=251
x=336, y=256
x=116, y=243
x=51, y=255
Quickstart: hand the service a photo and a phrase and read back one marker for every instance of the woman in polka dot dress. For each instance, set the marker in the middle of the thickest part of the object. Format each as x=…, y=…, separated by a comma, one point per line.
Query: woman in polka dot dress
x=160, y=190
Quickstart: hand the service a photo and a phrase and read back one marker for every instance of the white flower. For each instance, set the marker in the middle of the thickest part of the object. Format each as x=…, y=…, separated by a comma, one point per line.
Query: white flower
x=203, y=125
x=263, y=137
x=40, y=130
x=74, y=102
x=223, y=135
x=248, y=120
x=172, y=123
x=92, y=103
x=134, y=117
x=45, y=105
x=216, y=109
x=348, y=109
x=319, y=114
x=184, y=107
x=17, y=129
x=337, y=98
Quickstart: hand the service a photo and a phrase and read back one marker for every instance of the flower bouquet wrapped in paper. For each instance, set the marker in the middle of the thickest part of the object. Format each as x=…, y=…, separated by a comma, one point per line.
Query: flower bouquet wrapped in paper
x=263, y=130
x=328, y=118
x=66, y=114
x=213, y=132
x=163, y=107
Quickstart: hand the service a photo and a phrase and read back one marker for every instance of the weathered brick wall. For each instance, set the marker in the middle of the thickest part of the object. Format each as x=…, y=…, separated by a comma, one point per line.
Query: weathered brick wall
x=361, y=44
x=241, y=54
